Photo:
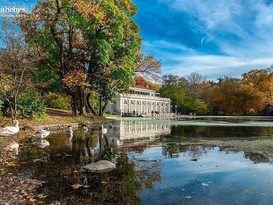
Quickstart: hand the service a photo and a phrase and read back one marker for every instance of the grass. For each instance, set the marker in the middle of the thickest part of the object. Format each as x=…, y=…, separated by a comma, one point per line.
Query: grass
x=54, y=116
x=111, y=116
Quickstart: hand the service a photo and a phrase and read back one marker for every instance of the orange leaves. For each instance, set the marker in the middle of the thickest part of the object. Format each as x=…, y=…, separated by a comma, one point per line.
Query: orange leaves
x=140, y=81
x=75, y=78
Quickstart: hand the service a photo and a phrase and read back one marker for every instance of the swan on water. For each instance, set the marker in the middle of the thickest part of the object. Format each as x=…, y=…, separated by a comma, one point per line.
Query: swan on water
x=69, y=131
x=42, y=143
x=85, y=128
x=42, y=133
x=103, y=130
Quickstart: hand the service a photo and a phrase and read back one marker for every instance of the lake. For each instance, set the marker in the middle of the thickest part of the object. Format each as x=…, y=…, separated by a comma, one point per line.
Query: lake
x=158, y=162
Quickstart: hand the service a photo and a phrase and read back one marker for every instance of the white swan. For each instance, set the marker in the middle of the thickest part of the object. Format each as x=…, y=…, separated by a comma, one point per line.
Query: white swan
x=41, y=143
x=85, y=128
x=69, y=131
x=11, y=130
x=42, y=133
x=13, y=147
x=103, y=130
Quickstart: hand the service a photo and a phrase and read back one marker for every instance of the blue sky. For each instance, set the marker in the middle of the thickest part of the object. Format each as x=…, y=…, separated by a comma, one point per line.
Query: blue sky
x=213, y=37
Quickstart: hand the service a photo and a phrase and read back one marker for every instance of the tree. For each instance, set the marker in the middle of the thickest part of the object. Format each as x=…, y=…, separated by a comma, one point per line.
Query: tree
x=140, y=81
x=86, y=43
x=148, y=67
x=177, y=88
x=195, y=81
x=259, y=84
x=17, y=65
x=174, y=80
x=232, y=96
x=176, y=93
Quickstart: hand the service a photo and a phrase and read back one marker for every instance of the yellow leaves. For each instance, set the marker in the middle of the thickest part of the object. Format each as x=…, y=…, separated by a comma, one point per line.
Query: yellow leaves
x=32, y=200
x=41, y=196
x=89, y=9
x=5, y=82
x=76, y=186
x=10, y=164
x=55, y=203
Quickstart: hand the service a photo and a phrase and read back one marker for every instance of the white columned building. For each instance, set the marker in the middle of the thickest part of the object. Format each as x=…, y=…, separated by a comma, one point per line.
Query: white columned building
x=139, y=101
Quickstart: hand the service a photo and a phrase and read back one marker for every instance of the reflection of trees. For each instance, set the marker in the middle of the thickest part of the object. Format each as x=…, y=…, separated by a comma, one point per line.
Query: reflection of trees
x=220, y=131
x=196, y=151
x=116, y=187
x=256, y=157
x=148, y=172
x=79, y=148
x=82, y=144
x=60, y=170
x=188, y=131
x=172, y=150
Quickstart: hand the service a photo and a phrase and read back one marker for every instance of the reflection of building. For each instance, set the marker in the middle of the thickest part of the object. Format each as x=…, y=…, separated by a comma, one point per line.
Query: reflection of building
x=140, y=101
x=136, y=131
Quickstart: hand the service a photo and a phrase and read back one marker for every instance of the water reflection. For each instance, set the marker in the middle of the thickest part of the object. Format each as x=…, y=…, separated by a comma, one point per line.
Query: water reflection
x=122, y=132
x=194, y=164
x=173, y=150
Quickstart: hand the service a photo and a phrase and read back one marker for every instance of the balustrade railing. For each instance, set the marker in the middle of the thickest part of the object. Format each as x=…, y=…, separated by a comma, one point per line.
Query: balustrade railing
x=146, y=97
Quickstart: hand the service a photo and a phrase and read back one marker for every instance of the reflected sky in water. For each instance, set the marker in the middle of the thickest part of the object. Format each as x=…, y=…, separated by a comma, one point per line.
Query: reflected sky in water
x=177, y=162
x=203, y=162
x=215, y=178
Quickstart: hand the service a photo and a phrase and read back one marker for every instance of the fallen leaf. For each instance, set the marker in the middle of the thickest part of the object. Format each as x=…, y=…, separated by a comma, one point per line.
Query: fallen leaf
x=32, y=200
x=76, y=186
x=42, y=196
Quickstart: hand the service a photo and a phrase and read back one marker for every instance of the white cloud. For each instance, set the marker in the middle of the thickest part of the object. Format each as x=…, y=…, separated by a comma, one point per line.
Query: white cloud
x=215, y=66
x=242, y=31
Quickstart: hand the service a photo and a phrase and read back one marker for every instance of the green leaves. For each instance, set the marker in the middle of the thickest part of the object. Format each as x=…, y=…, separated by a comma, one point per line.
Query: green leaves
x=31, y=104
x=97, y=39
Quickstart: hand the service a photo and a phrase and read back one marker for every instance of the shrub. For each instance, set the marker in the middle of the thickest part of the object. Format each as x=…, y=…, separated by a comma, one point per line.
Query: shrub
x=31, y=105
x=55, y=100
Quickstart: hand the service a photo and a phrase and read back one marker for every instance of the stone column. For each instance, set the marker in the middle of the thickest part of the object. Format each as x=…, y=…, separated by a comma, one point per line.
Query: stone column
x=121, y=106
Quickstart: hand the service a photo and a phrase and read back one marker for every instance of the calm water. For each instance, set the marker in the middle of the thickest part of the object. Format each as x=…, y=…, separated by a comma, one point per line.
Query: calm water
x=174, y=162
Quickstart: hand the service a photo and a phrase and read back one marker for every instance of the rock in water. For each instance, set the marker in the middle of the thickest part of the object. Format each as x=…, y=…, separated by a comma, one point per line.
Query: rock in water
x=101, y=166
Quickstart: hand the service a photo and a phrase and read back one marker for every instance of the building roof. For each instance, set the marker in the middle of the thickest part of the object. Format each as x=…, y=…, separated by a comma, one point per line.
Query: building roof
x=138, y=87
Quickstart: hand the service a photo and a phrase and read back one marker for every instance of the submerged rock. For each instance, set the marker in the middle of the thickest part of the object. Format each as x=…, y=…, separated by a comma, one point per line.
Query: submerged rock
x=101, y=166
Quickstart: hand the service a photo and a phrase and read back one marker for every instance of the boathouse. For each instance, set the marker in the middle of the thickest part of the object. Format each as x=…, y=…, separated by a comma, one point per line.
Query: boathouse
x=139, y=101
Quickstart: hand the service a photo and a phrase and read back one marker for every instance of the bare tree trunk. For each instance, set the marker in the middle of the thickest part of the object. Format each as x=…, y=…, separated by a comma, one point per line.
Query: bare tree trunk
x=104, y=107
x=82, y=108
x=100, y=106
x=74, y=104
